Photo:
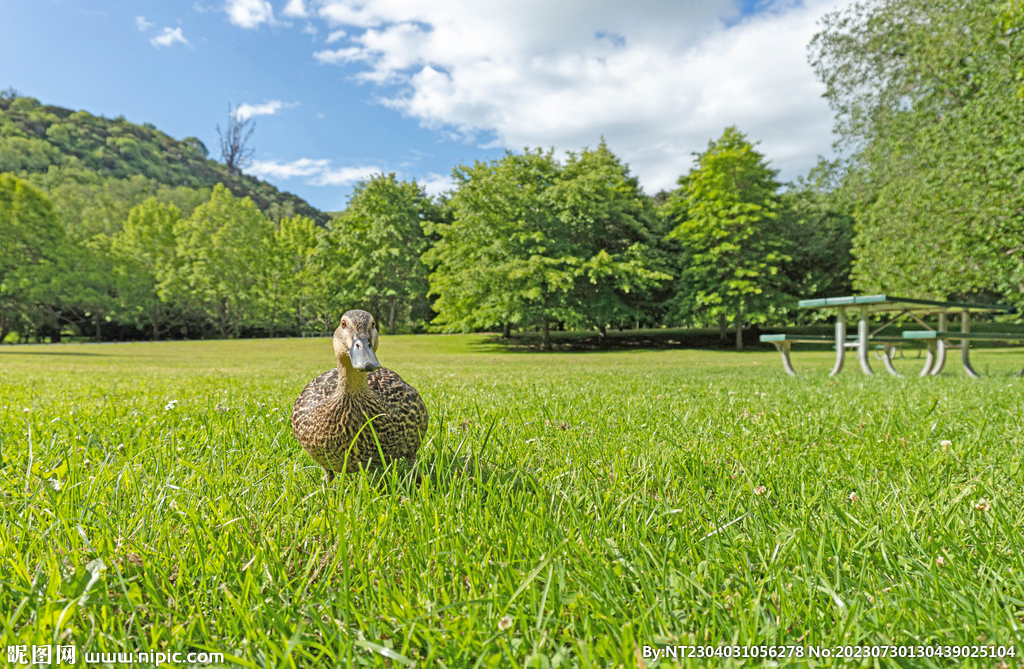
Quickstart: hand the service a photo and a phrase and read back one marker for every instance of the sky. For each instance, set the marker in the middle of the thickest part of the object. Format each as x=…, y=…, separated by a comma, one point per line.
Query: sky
x=343, y=89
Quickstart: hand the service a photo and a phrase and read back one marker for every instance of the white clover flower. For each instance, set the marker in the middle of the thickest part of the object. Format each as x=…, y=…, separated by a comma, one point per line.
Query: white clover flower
x=505, y=624
x=945, y=443
x=170, y=405
x=760, y=490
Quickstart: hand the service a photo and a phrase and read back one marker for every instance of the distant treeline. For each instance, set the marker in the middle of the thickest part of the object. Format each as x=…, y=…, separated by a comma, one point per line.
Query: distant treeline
x=118, y=231
x=526, y=241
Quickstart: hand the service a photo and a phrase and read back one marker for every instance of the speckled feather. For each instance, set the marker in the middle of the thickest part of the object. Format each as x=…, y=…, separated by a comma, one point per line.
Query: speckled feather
x=332, y=426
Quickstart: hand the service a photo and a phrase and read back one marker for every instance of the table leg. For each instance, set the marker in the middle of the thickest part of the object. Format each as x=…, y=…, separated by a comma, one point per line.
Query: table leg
x=862, y=342
x=940, y=358
x=840, y=342
x=887, y=359
x=783, y=348
x=965, y=344
x=929, y=357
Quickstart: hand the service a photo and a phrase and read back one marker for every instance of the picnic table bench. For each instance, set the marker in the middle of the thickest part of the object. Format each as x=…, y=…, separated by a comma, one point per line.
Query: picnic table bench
x=936, y=341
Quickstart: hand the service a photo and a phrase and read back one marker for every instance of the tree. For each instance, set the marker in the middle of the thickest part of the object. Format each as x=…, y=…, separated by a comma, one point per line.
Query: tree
x=381, y=234
x=732, y=253
x=533, y=242
x=234, y=140
x=925, y=95
x=145, y=253
x=220, y=249
x=493, y=264
x=816, y=217
x=611, y=227
x=288, y=275
x=31, y=236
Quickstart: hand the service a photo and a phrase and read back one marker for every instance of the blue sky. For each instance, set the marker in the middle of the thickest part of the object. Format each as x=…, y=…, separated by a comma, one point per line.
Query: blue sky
x=342, y=88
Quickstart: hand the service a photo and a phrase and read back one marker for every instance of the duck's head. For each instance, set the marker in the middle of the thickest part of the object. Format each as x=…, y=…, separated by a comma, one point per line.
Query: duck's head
x=355, y=341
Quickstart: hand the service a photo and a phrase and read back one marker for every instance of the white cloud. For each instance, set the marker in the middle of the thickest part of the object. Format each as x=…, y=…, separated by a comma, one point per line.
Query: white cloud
x=656, y=78
x=335, y=36
x=295, y=9
x=347, y=55
x=246, y=111
x=249, y=13
x=142, y=24
x=345, y=176
x=318, y=171
x=435, y=184
x=168, y=37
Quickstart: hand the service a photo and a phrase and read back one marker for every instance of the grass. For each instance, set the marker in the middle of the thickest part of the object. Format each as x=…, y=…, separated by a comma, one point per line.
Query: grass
x=574, y=507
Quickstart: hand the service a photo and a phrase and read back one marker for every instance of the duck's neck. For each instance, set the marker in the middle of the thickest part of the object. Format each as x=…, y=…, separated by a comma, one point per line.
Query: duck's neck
x=351, y=381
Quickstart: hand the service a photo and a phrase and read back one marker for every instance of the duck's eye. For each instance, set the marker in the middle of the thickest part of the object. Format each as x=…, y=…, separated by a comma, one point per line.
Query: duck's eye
x=344, y=324
x=373, y=325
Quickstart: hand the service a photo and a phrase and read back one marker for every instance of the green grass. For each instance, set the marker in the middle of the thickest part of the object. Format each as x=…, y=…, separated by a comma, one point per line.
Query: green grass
x=612, y=500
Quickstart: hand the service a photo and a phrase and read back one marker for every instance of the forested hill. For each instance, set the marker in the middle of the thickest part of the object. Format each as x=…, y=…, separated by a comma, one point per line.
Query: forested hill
x=35, y=137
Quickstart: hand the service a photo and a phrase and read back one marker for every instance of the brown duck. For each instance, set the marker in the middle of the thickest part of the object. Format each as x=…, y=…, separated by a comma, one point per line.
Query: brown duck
x=351, y=416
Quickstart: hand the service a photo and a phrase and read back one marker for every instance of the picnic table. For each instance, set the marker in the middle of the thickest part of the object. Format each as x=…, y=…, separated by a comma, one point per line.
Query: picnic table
x=899, y=308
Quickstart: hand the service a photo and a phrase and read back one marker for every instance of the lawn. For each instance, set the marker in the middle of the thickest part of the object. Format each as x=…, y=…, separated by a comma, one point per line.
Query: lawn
x=572, y=508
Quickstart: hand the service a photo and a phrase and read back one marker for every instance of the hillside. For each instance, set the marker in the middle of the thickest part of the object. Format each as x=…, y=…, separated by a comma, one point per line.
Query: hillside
x=34, y=137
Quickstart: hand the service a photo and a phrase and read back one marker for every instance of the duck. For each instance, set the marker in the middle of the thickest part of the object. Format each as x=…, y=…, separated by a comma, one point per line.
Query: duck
x=358, y=415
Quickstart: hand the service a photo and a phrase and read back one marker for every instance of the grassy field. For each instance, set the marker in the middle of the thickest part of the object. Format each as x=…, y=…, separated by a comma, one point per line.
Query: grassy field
x=152, y=498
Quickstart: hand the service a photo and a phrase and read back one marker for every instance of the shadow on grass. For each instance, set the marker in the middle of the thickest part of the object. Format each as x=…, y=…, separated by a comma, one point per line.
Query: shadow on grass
x=61, y=353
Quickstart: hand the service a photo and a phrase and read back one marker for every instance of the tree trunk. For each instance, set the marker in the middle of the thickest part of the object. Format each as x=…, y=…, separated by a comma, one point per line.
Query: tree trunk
x=5, y=328
x=273, y=310
x=739, y=327
x=99, y=333
x=602, y=331
x=506, y=330
x=722, y=325
x=156, y=329
x=391, y=317
x=223, y=320
x=546, y=339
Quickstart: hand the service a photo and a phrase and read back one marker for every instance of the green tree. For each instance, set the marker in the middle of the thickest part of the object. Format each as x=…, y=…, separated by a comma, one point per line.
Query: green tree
x=144, y=250
x=220, y=249
x=732, y=250
x=816, y=217
x=381, y=237
x=31, y=236
x=925, y=95
x=494, y=263
x=288, y=279
x=534, y=242
x=611, y=227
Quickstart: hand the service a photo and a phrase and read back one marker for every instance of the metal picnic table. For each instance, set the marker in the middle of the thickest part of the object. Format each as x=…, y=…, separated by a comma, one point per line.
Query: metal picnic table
x=903, y=307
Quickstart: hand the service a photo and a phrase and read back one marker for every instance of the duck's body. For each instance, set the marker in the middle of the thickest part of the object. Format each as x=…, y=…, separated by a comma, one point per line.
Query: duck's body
x=351, y=416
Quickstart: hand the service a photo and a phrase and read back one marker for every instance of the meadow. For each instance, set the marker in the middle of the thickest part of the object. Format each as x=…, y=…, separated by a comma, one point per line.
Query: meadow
x=566, y=510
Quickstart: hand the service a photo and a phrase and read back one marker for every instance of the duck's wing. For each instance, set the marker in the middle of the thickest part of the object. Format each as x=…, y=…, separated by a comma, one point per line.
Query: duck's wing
x=403, y=401
x=312, y=396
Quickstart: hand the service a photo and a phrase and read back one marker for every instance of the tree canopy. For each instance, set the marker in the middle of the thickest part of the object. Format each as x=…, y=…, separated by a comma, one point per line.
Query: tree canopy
x=927, y=96
x=534, y=242
x=725, y=210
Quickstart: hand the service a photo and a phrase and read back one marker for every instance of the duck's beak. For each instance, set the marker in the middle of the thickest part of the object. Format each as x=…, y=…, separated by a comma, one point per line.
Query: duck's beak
x=362, y=356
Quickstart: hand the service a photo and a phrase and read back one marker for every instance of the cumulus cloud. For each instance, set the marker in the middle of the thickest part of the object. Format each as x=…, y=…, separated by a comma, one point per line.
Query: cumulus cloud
x=435, y=184
x=656, y=78
x=249, y=13
x=142, y=24
x=295, y=9
x=168, y=37
x=246, y=111
x=318, y=171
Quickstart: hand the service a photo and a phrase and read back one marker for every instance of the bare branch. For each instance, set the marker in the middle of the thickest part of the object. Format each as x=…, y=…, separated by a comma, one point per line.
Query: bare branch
x=233, y=141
